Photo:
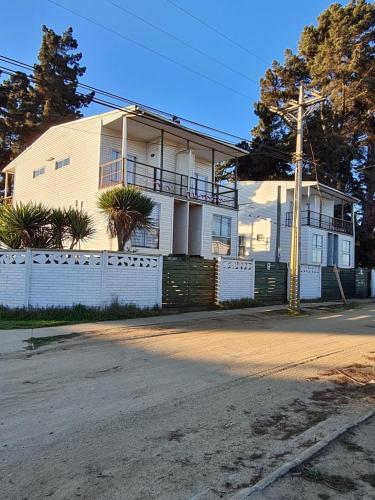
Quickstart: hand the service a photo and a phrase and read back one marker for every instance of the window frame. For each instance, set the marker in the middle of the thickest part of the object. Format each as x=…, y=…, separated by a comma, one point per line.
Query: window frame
x=38, y=172
x=218, y=238
x=346, y=253
x=65, y=162
x=317, y=249
x=139, y=233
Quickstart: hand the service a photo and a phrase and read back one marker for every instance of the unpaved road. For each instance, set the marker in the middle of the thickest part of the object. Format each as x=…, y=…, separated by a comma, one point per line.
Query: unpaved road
x=177, y=410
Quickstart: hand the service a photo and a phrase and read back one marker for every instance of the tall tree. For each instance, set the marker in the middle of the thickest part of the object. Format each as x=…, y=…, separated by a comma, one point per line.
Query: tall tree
x=31, y=104
x=335, y=57
x=56, y=76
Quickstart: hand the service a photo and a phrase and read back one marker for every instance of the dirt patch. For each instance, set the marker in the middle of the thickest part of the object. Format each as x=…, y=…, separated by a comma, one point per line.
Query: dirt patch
x=334, y=481
x=37, y=342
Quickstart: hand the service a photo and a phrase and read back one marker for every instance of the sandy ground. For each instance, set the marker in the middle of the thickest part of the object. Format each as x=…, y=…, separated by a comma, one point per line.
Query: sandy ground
x=196, y=408
x=344, y=470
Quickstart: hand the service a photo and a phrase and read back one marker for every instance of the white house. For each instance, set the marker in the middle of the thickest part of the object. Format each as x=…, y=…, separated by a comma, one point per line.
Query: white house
x=327, y=223
x=70, y=165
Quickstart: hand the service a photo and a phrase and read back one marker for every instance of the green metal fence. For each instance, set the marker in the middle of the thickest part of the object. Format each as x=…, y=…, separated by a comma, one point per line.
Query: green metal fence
x=271, y=281
x=188, y=281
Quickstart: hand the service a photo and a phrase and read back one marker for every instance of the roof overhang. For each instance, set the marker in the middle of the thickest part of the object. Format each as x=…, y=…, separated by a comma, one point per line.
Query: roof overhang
x=195, y=138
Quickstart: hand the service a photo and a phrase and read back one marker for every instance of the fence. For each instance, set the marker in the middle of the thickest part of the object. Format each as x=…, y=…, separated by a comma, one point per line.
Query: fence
x=46, y=278
x=271, y=279
x=188, y=281
x=50, y=278
x=234, y=279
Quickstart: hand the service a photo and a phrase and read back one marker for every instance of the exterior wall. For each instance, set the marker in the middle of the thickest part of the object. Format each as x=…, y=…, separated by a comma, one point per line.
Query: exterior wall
x=258, y=216
x=64, y=278
x=207, y=221
x=235, y=279
x=88, y=143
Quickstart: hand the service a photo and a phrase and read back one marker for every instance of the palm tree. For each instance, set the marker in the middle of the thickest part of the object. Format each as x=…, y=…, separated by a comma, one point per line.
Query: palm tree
x=126, y=209
x=80, y=226
x=58, y=222
x=24, y=225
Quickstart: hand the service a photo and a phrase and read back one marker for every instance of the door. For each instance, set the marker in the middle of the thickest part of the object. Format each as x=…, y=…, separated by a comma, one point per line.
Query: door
x=330, y=250
x=335, y=249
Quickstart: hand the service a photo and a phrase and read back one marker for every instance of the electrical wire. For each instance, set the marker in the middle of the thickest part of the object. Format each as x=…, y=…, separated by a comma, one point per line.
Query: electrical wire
x=153, y=51
x=218, y=32
x=283, y=156
x=174, y=37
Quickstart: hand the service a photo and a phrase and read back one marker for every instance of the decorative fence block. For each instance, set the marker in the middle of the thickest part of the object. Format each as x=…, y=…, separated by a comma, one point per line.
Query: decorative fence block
x=235, y=279
x=55, y=278
x=310, y=282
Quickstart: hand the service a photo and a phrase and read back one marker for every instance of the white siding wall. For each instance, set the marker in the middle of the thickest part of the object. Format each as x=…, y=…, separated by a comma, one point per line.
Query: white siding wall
x=207, y=216
x=88, y=143
x=258, y=215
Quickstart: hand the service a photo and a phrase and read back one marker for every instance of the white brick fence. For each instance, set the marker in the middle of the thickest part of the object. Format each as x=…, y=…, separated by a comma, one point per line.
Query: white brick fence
x=235, y=279
x=310, y=282
x=45, y=278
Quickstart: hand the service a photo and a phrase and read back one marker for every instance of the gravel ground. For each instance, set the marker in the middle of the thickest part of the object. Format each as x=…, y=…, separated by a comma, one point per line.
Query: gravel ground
x=196, y=408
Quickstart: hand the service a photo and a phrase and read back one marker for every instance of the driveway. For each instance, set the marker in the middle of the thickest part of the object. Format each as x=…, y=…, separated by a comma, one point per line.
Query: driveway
x=196, y=406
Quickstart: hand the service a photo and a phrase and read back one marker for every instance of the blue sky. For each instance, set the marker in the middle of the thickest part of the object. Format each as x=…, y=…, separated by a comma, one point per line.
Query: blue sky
x=265, y=28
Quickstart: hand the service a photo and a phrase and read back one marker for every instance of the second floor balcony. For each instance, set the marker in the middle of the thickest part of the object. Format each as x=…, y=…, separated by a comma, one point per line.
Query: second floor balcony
x=152, y=178
x=321, y=221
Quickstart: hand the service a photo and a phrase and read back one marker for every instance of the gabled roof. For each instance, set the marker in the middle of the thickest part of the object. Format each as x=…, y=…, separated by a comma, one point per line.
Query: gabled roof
x=143, y=114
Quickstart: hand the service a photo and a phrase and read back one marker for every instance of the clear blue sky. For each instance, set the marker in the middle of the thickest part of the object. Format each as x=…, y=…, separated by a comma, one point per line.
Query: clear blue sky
x=266, y=28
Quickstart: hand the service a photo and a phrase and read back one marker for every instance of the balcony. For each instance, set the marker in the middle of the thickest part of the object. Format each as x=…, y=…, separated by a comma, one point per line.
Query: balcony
x=321, y=221
x=151, y=178
x=7, y=200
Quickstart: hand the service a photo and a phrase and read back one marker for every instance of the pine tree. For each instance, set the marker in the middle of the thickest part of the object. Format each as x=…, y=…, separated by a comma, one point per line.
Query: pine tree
x=336, y=57
x=56, y=77
x=30, y=105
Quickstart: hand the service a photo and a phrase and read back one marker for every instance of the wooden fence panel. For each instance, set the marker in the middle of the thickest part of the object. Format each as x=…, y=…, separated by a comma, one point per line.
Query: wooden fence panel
x=271, y=281
x=330, y=288
x=188, y=281
x=363, y=282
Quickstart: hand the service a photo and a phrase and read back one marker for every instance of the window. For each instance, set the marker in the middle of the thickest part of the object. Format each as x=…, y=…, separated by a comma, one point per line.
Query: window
x=221, y=234
x=242, y=246
x=38, y=172
x=62, y=163
x=199, y=185
x=346, y=253
x=131, y=173
x=317, y=249
x=148, y=238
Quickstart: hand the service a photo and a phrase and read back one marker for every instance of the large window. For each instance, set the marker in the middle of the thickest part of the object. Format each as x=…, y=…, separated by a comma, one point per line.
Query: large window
x=148, y=238
x=346, y=253
x=221, y=234
x=62, y=163
x=317, y=249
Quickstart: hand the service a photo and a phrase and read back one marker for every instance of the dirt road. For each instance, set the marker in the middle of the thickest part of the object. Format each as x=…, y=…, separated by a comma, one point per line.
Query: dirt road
x=192, y=409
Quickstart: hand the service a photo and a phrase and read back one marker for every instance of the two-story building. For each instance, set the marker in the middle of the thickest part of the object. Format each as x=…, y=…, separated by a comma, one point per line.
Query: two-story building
x=72, y=163
x=327, y=223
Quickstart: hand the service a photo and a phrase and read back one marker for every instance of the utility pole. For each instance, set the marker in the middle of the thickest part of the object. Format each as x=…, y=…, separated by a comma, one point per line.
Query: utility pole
x=294, y=114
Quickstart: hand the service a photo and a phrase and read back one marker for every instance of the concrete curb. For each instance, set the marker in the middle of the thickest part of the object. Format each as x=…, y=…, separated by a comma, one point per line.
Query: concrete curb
x=299, y=460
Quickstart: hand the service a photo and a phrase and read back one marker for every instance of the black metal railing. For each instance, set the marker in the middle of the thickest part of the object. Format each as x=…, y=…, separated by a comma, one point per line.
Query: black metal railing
x=321, y=221
x=153, y=178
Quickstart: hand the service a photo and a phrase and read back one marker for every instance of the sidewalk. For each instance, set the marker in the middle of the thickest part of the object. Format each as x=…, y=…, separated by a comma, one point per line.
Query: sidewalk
x=13, y=340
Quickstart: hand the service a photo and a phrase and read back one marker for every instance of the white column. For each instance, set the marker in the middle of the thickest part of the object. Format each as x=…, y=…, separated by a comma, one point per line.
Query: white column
x=124, y=146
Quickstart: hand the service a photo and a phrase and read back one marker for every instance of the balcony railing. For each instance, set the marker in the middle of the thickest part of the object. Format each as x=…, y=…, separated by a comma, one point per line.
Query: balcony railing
x=7, y=200
x=165, y=181
x=321, y=221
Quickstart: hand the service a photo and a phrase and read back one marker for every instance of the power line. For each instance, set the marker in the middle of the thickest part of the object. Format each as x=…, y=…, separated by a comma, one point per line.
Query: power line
x=174, y=37
x=153, y=51
x=218, y=32
x=286, y=156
